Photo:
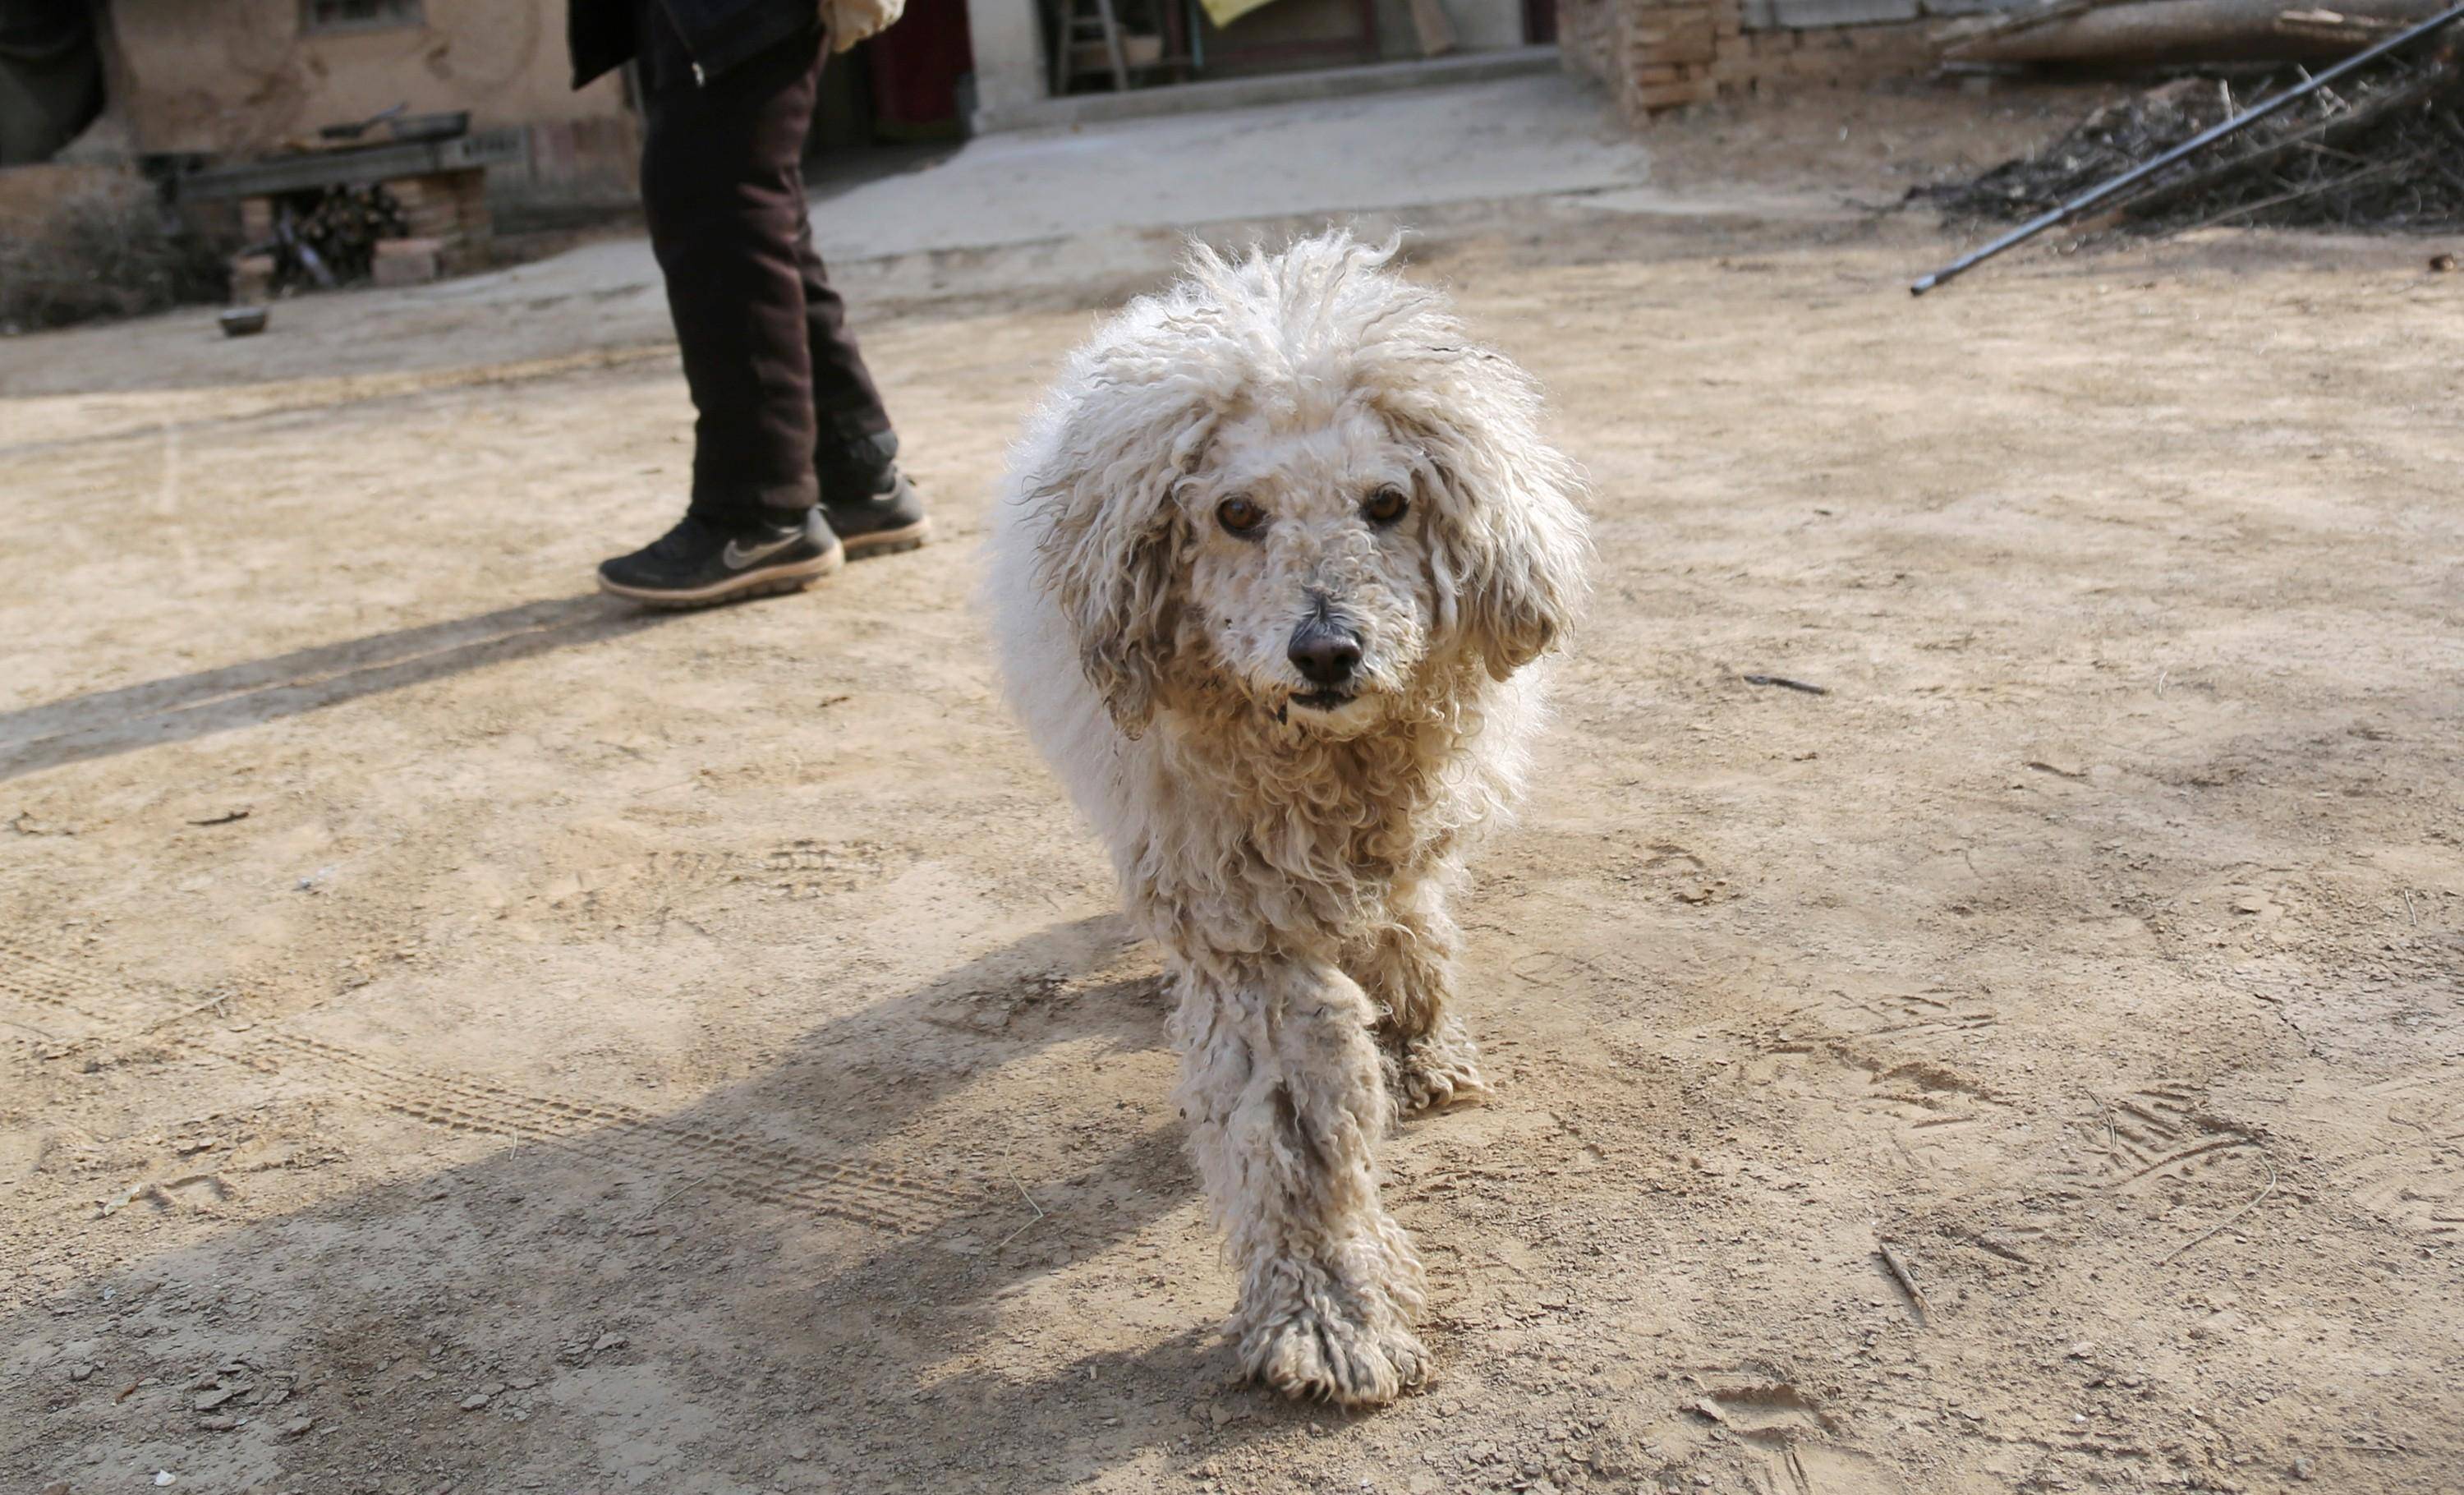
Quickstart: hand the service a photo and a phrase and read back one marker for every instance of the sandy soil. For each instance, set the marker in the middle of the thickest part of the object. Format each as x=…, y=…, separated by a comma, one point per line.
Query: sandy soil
x=459, y=1035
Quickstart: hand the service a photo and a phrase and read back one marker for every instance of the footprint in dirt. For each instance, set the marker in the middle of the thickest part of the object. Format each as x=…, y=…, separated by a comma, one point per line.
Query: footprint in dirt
x=1766, y=1412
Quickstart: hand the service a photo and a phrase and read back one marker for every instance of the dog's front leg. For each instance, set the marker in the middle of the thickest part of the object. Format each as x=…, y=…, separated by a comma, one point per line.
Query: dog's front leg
x=1281, y=1084
x=1407, y=964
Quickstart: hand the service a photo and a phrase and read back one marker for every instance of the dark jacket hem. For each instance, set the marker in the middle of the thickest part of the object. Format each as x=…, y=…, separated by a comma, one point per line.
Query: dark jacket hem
x=718, y=34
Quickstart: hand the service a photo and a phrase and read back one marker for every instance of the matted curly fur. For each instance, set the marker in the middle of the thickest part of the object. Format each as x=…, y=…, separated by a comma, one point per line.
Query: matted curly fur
x=1274, y=463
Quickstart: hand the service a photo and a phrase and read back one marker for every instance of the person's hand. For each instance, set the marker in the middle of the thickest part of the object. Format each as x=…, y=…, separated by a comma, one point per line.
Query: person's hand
x=852, y=21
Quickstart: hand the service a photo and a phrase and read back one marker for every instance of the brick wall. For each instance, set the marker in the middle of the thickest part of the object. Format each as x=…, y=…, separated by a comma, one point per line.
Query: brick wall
x=450, y=207
x=1654, y=55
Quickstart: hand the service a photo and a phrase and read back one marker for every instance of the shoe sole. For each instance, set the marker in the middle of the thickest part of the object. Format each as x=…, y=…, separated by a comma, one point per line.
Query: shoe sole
x=886, y=543
x=765, y=582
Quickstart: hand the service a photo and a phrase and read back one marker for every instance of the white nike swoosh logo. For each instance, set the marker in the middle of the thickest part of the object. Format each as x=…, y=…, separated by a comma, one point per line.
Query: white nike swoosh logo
x=735, y=557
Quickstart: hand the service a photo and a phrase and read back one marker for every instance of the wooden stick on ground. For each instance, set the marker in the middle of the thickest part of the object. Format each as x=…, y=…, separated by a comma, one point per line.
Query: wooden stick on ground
x=1906, y=1280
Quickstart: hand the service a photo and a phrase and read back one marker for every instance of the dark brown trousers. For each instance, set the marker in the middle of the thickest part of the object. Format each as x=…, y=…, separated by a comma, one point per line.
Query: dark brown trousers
x=776, y=377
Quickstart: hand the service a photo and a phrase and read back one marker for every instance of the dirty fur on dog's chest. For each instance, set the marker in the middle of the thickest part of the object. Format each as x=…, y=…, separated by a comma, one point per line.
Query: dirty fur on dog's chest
x=1322, y=831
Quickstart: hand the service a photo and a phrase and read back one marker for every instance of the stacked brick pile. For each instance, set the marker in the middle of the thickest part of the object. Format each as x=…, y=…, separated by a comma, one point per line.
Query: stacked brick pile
x=1650, y=54
x=1654, y=55
x=450, y=207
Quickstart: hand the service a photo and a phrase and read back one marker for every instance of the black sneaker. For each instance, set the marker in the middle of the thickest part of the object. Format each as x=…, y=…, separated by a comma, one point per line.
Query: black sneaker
x=700, y=563
x=869, y=503
x=880, y=524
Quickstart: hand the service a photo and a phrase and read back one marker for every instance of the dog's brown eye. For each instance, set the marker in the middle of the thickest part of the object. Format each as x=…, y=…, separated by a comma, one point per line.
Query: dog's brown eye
x=1385, y=506
x=1239, y=515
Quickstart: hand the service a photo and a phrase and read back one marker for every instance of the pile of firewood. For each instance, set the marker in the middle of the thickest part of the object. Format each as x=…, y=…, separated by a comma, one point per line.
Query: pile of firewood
x=328, y=236
x=345, y=223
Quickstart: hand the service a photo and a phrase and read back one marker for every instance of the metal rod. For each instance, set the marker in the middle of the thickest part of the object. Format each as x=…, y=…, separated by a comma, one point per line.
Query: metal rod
x=2197, y=143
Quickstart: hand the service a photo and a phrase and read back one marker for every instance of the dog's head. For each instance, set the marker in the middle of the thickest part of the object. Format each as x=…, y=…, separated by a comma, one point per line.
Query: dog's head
x=1293, y=477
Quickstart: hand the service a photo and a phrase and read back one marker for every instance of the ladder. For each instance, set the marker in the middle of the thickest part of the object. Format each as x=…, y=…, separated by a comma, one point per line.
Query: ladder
x=1083, y=21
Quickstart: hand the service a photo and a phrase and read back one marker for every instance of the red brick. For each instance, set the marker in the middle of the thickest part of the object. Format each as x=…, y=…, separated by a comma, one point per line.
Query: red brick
x=251, y=278
x=1668, y=96
x=400, y=262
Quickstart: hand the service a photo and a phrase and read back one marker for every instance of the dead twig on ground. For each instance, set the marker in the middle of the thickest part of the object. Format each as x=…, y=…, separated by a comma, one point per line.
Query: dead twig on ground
x=1030, y=1204
x=2213, y=1231
x=678, y=1191
x=1907, y=1279
x=1985, y=1242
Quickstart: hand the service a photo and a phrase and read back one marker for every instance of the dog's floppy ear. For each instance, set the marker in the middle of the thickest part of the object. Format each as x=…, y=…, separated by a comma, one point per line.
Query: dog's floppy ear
x=1509, y=542
x=1112, y=536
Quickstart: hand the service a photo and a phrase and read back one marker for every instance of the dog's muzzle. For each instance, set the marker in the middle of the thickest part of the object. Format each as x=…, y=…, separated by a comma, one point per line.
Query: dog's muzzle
x=1327, y=654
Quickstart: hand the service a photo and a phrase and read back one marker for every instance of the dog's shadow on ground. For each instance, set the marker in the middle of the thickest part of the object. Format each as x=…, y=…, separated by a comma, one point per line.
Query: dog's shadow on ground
x=680, y=1325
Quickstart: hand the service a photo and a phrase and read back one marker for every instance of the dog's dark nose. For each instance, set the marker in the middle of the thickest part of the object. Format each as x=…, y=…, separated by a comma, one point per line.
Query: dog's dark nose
x=1324, y=651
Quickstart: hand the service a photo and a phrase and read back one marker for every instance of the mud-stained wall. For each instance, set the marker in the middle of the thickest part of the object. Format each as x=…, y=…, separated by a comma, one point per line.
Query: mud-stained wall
x=239, y=74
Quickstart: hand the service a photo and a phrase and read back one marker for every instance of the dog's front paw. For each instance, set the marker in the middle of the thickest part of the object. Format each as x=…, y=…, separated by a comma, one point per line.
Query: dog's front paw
x=1316, y=1354
x=1438, y=1068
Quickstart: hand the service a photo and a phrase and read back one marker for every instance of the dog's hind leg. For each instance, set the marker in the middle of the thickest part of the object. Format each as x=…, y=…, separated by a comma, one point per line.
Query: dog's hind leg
x=1407, y=967
x=1281, y=1086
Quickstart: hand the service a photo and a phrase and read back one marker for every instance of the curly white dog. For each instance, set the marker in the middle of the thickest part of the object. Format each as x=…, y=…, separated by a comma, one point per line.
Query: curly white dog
x=1271, y=564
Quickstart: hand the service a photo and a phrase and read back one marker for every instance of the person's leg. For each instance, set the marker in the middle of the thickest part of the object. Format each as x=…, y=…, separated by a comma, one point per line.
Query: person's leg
x=871, y=506
x=847, y=407
x=722, y=186
x=722, y=181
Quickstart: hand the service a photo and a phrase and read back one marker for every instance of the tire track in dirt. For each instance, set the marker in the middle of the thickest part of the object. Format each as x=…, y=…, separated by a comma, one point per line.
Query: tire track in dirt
x=735, y=1162
x=673, y=883
x=2402, y=1140
x=637, y=1141
x=45, y=987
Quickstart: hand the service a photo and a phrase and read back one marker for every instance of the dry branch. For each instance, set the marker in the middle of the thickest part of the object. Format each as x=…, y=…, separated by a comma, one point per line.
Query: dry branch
x=1907, y=1279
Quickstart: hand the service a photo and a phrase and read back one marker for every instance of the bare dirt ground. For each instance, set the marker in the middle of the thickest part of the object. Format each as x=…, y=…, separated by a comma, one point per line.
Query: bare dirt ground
x=460, y=1035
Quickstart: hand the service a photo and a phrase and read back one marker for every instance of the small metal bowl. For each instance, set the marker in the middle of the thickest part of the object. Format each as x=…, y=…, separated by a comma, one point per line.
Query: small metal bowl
x=243, y=321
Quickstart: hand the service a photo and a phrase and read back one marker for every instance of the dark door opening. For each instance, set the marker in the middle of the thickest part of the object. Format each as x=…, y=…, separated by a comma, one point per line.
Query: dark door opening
x=51, y=78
